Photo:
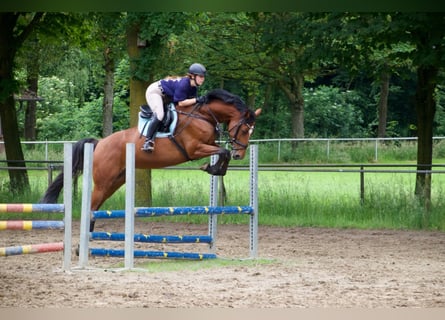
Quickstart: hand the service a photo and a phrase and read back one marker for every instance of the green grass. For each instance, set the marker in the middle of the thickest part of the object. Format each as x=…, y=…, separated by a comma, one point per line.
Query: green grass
x=324, y=199
x=163, y=265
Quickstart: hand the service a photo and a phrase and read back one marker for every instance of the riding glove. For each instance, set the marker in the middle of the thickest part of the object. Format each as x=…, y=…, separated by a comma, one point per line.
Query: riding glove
x=201, y=99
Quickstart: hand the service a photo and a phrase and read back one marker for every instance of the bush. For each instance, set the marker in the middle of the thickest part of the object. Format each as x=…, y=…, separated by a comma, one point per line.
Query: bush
x=330, y=112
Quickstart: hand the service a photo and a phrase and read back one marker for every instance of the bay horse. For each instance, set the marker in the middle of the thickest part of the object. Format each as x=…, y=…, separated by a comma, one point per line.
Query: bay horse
x=194, y=138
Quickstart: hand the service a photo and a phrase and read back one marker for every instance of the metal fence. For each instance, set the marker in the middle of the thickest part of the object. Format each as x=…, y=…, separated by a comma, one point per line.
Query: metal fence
x=377, y=142
x=52, y=165
x=327, y=142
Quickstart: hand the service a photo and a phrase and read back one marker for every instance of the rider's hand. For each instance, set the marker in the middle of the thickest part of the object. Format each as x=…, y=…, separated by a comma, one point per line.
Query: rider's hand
x=201, y=99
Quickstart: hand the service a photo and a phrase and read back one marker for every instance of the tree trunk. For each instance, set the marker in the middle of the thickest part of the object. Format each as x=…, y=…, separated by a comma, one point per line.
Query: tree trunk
x=426, y=109
x=107, y=107
x=30, y=121
x=383, y=103
x=32, y=68
x=298, y=109
x=294, y=93
x=143, y=195
x=19, y=182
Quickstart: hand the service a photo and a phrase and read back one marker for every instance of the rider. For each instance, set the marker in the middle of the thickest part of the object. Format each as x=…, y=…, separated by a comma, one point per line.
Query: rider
x=181, y=90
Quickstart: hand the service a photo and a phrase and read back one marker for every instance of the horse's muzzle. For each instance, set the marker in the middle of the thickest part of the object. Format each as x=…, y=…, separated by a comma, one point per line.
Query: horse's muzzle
x=238, y=154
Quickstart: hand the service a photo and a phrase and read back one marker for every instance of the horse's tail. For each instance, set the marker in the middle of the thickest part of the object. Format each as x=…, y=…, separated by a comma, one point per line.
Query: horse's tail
x=53, y=191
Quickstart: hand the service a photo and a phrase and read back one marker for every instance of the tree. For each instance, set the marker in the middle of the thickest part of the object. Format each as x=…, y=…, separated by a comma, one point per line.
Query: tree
x=109, y=38
x=137, y=98
x=249, y=51
x=16, y=27
x=32, y=75
x=426, y=32
x=423, y=34
x=294, y=58
x=333, y=112
x=390, y=41
x=362, y=44
x=147, y=36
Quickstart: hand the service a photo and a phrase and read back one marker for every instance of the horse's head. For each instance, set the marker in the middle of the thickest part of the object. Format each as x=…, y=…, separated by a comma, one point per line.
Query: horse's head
x=240, y=130
x=239, y=118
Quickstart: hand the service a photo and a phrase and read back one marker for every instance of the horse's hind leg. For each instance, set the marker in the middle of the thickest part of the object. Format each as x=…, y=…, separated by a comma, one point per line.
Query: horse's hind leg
x=221, y=165
x=102, y=191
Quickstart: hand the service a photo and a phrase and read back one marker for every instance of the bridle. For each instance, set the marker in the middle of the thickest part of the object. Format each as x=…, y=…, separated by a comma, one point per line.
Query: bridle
x=237, y=128
x=233, y=141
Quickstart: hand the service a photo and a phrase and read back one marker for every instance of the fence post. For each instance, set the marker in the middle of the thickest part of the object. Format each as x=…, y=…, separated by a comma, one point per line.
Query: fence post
x=376, y=150
x=362, y=185
x=328, y=148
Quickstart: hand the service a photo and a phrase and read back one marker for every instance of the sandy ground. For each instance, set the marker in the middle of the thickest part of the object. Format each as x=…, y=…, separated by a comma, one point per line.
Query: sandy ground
x=299, y=267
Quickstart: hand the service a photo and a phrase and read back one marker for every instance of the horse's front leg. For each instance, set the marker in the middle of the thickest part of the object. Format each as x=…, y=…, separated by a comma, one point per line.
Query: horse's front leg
x=221, y=165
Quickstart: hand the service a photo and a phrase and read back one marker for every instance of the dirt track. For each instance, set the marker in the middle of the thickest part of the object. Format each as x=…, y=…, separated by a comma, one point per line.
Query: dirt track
x=309, y=267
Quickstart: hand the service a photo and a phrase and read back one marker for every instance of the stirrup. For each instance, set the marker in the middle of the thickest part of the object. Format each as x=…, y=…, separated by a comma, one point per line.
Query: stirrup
x=148, y=146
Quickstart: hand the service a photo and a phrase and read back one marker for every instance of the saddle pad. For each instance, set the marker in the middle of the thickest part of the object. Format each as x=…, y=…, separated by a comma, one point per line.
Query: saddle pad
x=143, y=123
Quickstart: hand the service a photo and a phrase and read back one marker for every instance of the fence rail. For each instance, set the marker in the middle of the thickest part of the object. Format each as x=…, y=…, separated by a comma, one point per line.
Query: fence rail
x=279, y=141
x=341, y=168
x=361, y=168
x=50, y=167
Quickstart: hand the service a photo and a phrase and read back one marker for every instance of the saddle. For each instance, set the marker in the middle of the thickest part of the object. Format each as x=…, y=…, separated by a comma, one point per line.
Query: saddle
x=168, y=124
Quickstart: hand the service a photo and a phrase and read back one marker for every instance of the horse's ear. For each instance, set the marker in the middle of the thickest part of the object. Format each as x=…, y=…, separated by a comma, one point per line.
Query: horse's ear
x=258, y=111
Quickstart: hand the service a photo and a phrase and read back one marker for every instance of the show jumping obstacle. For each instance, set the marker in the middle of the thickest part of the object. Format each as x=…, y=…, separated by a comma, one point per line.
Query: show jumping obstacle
x=29, y=225
x=131, y=212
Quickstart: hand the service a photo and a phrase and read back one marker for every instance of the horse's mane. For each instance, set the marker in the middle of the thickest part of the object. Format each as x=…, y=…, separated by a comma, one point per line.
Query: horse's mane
x=230, y=98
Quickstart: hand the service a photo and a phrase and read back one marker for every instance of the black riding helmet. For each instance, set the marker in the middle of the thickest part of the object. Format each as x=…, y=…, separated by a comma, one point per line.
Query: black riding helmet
x=197, y=69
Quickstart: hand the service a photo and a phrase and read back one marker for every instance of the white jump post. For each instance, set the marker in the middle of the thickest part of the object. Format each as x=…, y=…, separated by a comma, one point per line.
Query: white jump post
x=129, y=205
x=213, y=196
x=68, y=203
x=253, y=224
x=86, y=205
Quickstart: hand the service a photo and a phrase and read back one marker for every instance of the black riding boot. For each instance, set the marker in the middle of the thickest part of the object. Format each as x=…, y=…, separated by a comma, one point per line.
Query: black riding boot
x=149, y=143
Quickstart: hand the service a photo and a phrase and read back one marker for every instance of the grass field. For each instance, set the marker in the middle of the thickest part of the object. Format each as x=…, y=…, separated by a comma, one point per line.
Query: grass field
x=324, y=199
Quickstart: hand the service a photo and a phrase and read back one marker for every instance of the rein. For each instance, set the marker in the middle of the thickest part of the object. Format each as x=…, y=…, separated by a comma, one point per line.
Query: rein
x=200, y=117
